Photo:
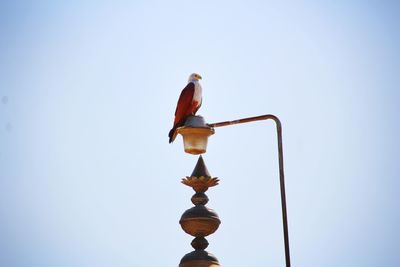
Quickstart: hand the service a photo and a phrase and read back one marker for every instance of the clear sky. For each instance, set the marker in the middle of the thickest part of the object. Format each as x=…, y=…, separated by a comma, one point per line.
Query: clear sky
x=87, y=95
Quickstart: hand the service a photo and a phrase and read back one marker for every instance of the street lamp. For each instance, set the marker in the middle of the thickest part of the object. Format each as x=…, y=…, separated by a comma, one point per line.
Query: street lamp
x=195, y=134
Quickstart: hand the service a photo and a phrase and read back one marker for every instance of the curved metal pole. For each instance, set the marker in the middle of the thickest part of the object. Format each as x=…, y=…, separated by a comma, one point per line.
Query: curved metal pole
x=281, y=171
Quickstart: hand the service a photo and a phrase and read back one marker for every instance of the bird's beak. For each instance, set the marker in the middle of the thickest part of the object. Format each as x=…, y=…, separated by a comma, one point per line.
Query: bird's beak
x=200, y=77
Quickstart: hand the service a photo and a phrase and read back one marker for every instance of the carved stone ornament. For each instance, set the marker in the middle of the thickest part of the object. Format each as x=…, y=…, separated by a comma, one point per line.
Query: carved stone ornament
x=199, y=221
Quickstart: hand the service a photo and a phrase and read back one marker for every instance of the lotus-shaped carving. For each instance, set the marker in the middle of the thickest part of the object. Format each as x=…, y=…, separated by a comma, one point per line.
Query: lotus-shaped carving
x=200, y=184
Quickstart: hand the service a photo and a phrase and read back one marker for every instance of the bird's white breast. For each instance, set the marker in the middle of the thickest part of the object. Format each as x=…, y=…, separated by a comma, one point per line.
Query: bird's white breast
x=197, y=92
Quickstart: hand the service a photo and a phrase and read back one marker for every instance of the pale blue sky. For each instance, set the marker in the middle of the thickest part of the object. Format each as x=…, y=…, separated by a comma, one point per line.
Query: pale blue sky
x=88, y=90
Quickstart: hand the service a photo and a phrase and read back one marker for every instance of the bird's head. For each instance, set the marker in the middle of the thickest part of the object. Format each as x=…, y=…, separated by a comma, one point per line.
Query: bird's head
x=194, y=77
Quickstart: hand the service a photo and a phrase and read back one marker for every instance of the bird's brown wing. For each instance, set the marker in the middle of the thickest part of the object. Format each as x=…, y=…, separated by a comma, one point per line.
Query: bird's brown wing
x=184, y=103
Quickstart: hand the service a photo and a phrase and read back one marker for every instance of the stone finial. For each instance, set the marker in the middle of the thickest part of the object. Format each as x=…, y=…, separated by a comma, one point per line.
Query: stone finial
x=199, y=221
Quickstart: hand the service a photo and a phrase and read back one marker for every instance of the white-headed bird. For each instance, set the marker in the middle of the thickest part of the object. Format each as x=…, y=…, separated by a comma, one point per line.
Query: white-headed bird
x=188, y=104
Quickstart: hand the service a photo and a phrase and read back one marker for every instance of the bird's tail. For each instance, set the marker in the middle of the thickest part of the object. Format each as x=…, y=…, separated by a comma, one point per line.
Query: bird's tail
x=172, y=135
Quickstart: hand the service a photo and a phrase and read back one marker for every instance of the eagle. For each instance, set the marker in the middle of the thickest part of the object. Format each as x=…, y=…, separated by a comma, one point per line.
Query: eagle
x=188, y=104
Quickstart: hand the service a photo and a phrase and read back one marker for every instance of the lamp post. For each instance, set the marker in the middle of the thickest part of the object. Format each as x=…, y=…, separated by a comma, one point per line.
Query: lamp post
x=195, y=135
